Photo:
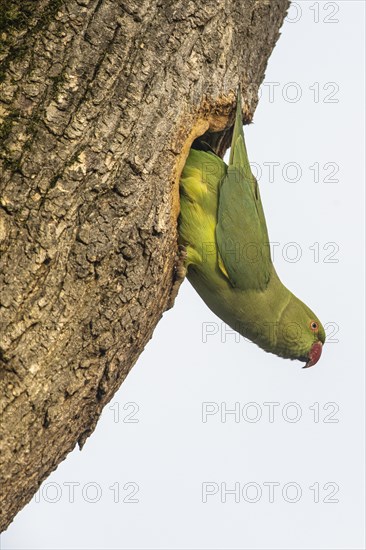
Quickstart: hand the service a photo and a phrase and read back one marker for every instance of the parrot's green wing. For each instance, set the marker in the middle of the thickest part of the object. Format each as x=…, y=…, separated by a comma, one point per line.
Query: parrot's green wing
x=241, y=231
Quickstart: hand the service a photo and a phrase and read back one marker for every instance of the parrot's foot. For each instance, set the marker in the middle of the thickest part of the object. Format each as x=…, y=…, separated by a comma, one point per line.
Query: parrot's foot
x=180, y=271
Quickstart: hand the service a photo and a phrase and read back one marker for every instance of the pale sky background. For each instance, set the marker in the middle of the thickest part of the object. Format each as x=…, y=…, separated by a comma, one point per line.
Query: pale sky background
x=154, y=475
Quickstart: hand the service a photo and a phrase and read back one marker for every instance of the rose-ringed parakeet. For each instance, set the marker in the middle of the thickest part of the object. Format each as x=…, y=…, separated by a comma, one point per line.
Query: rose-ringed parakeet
x=224, y=238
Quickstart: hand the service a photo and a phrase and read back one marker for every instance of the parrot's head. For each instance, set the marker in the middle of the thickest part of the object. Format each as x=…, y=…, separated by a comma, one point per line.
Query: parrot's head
x=300, y=334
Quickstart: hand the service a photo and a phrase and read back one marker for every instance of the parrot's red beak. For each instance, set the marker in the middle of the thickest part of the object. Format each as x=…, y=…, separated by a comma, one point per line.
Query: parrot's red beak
x=314, y=354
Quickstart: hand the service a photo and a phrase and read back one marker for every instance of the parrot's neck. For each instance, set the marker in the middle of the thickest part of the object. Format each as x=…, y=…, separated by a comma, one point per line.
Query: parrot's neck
x=262, y=310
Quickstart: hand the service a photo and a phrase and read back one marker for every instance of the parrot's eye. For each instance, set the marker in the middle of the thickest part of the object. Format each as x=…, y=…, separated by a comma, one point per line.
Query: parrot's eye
x=314, y=325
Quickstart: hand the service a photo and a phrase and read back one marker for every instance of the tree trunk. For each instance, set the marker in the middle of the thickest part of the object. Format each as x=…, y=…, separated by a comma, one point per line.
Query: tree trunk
x=100, y=101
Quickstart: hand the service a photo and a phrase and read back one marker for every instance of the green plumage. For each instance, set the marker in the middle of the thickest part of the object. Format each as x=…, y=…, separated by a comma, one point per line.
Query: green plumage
x=223, y=228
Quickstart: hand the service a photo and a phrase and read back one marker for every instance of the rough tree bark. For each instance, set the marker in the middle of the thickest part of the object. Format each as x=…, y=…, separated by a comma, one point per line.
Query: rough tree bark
x=100, y=101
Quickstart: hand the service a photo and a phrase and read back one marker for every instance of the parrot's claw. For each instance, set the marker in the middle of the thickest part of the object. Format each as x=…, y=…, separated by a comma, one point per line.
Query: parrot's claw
x=180, y=271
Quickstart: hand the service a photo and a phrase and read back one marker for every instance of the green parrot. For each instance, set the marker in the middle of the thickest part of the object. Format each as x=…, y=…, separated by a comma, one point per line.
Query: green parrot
x=226, y=254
